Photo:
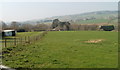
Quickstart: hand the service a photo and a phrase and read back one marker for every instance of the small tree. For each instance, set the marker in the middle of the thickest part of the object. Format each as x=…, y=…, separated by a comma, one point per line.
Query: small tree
x=14, y=25
x=27, y=27
x=3, y=25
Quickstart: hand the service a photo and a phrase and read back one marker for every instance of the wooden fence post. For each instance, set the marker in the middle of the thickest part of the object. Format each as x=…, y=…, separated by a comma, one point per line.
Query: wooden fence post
x=25, y=38
x=28, y=39
x=5, y=42
x=14, y=41
x=18, y=40
x=34, y=38
x=21, y=40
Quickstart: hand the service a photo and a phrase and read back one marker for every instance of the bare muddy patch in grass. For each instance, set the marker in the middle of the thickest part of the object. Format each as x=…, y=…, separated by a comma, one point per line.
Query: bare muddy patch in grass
x=94, y=41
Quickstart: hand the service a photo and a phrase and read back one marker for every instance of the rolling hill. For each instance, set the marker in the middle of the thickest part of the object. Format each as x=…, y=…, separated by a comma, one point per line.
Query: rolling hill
x=90, y=17
x=84, y=18
x=96, y=17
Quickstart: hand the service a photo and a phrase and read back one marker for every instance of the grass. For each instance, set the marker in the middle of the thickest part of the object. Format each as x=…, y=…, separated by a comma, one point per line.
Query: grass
x=21, y=34
x=96, y=21
x=66, y=49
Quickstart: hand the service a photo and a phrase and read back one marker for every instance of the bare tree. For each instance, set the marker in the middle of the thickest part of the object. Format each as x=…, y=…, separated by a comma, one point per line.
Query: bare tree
x=14, y=25
x=85, y=27
x=27, y=27
x=3, y=25
x=41, y=27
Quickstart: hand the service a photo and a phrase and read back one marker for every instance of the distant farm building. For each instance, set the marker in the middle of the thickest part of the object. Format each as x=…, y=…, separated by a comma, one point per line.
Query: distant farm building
x=21, y=30
x=107, y=27
x=8, y=33
x=60, y=26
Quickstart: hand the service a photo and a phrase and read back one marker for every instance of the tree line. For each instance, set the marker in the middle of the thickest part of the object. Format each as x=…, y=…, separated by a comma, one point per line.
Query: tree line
x=43, y=27
x=24, y=26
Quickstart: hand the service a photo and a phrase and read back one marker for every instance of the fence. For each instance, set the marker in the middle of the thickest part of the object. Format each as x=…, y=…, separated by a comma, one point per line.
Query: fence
x=13, y=42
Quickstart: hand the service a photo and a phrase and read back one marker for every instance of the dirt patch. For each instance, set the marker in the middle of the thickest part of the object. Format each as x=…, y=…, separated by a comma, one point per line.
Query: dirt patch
x=94, y=41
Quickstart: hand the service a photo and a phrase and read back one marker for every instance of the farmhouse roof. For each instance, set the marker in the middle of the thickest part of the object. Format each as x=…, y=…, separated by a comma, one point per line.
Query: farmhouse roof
x=7, y=30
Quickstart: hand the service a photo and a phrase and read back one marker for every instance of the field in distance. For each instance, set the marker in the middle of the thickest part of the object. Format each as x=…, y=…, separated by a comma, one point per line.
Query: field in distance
x=67, y=49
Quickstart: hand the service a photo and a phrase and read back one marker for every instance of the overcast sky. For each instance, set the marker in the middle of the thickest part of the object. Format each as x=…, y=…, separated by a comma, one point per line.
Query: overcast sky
x=59, y=0
x=22, y=11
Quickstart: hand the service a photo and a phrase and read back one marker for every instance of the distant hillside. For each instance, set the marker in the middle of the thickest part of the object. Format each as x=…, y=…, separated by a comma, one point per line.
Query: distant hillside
x=84, y=18
x=97, y=14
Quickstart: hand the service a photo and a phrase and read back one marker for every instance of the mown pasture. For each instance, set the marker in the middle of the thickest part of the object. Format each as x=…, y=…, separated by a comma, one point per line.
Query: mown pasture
x=66, y=49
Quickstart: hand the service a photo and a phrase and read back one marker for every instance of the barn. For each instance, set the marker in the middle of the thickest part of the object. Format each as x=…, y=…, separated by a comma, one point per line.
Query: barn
x=107, y=28
x=8, y=33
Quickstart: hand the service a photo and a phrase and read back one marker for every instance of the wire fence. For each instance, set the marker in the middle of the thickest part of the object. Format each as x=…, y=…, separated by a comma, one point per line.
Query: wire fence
x=13, y=42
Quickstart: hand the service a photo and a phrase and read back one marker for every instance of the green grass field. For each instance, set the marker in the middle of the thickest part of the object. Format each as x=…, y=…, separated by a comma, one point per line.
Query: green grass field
x=96, y=21
x=67, y=49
